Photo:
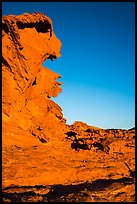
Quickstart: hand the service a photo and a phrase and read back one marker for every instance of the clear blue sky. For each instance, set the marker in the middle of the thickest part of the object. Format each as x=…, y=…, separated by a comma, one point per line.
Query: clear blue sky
x=98, y=59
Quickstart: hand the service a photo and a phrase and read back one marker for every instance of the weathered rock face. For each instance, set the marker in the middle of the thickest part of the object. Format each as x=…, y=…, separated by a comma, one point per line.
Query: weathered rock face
x=43, y=158
x=28, y=40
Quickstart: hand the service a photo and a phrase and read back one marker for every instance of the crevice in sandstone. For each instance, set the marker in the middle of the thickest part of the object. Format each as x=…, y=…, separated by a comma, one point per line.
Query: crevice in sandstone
x=132, y=173
x=33, y=134
x=26, y=78
x=42, y=140
x=34, y=82
x=4, y=62
x=6, y=113
x=5, y=27
x=20, y=88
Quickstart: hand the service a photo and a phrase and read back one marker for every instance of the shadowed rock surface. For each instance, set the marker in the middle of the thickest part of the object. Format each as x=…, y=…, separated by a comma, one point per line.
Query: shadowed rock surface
x=43, y=158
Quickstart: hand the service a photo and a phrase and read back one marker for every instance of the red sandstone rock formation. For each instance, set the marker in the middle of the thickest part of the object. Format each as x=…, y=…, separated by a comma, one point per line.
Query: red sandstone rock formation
x=43, y=158
x=28, y=40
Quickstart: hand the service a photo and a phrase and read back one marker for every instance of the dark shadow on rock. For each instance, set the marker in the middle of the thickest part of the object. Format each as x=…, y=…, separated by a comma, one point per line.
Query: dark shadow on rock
x=71, y=135
x=76, y=145
x=57, y=192
x=17, y=197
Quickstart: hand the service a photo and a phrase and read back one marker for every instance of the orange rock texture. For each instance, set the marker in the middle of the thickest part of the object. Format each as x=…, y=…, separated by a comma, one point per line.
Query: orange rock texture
x=43, y=158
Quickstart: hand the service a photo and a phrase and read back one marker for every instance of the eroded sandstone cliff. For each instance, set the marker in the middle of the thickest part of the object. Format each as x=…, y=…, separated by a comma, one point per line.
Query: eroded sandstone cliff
x=43, y=158
x=28, y=40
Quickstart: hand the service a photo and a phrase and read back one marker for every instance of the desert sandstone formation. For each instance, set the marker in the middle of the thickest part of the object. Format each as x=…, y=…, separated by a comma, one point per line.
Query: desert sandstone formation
x=43, y=158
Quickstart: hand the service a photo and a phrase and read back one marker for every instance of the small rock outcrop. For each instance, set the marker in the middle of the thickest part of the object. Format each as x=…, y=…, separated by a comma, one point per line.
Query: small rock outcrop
x=43, y=158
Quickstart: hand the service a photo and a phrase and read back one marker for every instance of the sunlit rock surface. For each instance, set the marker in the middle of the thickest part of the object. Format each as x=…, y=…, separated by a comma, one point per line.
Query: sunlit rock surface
x=43, y=158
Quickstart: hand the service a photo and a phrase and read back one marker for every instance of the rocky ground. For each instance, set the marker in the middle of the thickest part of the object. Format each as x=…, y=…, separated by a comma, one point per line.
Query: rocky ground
x=43, y=158
x=55, y=171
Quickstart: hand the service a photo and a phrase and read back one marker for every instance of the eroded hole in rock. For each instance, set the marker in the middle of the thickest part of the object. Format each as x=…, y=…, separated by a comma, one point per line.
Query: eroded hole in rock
x=52, y=57
x=42, y=140
x=40, y=26
x=34, y=82
x=39, y=128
